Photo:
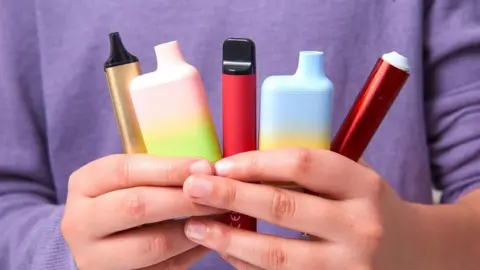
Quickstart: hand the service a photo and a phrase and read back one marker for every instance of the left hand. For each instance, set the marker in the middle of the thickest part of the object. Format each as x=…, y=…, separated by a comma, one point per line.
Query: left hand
x=358, y=221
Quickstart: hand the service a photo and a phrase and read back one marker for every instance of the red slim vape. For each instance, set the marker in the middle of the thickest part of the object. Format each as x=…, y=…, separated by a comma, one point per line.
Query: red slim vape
x=371, y=105
x=239, y=109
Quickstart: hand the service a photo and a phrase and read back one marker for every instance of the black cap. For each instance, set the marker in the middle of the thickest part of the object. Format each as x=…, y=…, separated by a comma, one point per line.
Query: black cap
x=238, y=56
x=118, y=54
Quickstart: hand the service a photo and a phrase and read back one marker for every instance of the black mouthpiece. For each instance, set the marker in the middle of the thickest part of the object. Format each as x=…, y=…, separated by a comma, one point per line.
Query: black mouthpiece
x=238, y=56
x=118, y=54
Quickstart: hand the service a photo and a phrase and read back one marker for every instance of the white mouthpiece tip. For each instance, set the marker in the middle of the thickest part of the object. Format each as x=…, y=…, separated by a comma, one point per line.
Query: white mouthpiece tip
x=166, y=47
x=397, y=60
x=168, y=54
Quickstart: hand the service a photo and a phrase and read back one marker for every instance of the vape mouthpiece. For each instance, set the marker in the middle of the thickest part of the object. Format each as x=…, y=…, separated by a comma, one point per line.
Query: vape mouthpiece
x=118, y=54
x=310, y=64
x=397, y=60
x=168, y=54
x=238, y=56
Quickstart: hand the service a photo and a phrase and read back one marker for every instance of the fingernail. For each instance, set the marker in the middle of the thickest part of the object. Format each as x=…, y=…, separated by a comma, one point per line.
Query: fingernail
x=201, y=167
x=223, y=168
x=198, y=187
x=196, y=230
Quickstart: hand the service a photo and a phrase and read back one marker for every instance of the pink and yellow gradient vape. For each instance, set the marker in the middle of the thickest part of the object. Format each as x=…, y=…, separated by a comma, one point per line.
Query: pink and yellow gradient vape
x=172, y=108
x=296, y=110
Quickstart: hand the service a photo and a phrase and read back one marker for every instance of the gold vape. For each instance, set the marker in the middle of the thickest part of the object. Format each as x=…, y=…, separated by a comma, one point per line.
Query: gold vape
x=120, y=69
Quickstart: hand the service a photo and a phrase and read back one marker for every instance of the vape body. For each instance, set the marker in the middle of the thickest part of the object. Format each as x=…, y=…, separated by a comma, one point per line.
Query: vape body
x=120, y=69
x=239, y=110
x=296, y=110
x=172, y=108
x=382, y=87
x=239, y=103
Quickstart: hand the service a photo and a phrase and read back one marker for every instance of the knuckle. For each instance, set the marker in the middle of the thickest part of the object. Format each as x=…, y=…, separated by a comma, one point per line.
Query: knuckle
x=376, y=186
x=134, y=205
x=70, y=226
x=228, y=195
x=123, y=171
x=168, y=172
x=154, y=246
x=74, y=180
x=83, y=179
x=374, y=234
x=366, y=227
x=275, y=258
x=283, y=206
x=369, y=238
x=253, y=168
x=75, y=223
x=66, y=228
x=302, y=159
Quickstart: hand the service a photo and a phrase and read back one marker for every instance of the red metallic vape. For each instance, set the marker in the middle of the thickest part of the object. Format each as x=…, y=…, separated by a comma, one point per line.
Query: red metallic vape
x=371, y=105
x=239, y=109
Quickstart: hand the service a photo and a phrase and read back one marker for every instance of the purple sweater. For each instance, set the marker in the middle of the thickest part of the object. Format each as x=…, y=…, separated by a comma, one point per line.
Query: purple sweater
x=55, y=112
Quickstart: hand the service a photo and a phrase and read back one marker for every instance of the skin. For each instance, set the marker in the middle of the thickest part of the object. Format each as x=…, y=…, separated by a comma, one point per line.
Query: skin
x=110, y=198
x=357, y=221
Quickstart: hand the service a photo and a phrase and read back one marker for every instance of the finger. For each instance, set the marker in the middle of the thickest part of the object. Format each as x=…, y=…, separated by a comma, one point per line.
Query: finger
x=294, y=210
x=125, y=171
x=264, y=251
x=239, y=264
x=143, y=246
x=127, y=208
x=182, y=261
x=320, y=171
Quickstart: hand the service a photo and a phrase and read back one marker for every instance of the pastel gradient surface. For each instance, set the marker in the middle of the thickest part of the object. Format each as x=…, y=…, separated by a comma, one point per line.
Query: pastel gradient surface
x=172, y=109
x=177, y=123
x=302, y=123
x=296, y=110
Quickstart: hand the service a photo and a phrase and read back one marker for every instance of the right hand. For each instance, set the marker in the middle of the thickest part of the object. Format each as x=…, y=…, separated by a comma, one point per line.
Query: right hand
x=109, y=198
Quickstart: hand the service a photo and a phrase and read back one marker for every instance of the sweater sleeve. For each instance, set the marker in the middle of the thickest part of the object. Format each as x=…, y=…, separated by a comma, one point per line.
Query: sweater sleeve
x=30, y=236
x=452, y=67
